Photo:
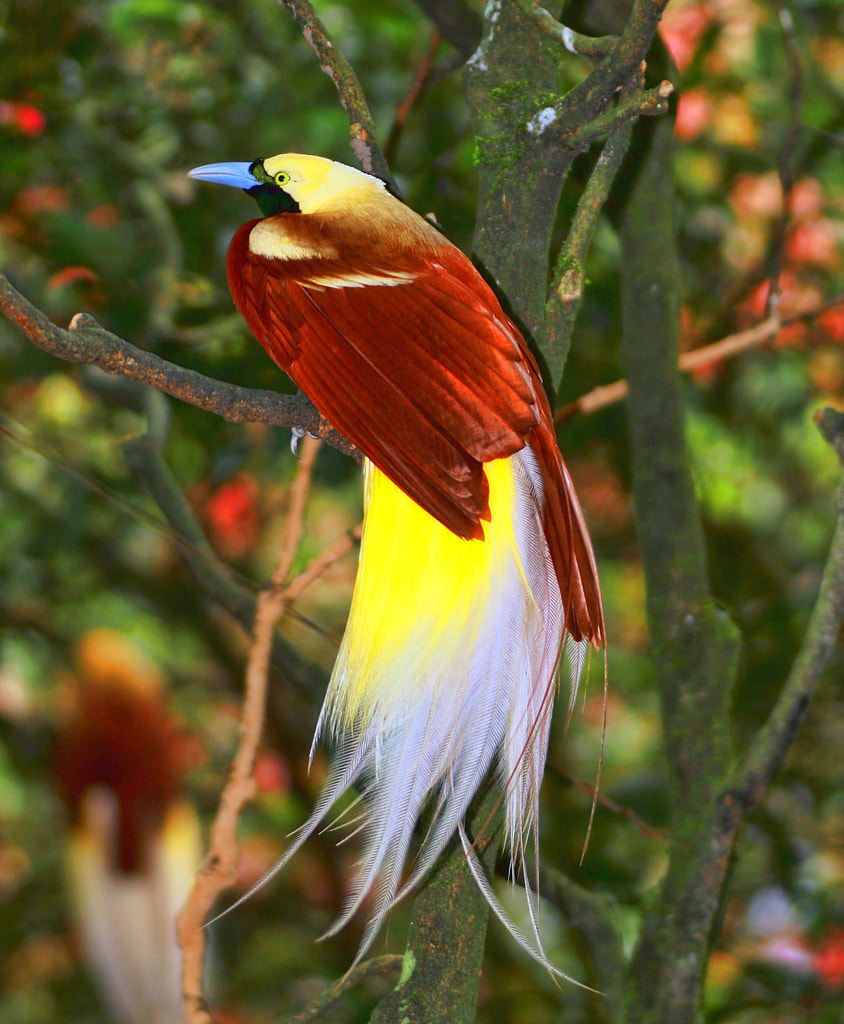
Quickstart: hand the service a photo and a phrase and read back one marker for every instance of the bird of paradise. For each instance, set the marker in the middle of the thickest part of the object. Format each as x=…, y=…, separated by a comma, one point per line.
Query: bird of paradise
x=476, y=576
x=134, y=841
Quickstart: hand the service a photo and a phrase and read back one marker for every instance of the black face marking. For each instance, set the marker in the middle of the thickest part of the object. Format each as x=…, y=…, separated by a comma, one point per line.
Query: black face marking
x=270, y=197
x=256, y=169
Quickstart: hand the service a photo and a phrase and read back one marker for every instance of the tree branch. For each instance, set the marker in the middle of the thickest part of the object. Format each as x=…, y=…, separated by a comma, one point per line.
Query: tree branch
x=524, y=153
x=420, y=79
x=521, y=170
x=567, y=289
x=731, y=345
x=220, y=869
x=334, y=992
x=349, y=91
x=595, y=47
x=771, y=743
x=650, y=102
x=591, y=96
x=87, y=342
x=591, y=914
x=695, y=644
x=213, y=576
x=445, y=942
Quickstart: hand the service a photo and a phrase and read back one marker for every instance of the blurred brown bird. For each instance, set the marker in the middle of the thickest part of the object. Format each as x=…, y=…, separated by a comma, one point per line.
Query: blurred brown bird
x=134, y=844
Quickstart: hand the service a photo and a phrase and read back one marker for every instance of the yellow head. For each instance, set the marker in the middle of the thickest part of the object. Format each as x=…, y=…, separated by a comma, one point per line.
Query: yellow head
x=294, y=183
x=313, y=182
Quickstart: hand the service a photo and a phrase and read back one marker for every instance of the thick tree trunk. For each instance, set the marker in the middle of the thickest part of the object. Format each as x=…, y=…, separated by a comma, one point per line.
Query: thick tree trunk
x=695, y=645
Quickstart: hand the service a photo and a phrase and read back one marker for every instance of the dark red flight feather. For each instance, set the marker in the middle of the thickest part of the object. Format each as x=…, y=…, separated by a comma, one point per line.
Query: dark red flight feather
x=428, y=377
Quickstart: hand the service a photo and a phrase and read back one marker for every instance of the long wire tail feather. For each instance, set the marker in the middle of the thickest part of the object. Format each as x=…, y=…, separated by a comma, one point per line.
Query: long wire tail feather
x=534, y=949
x=345, y=771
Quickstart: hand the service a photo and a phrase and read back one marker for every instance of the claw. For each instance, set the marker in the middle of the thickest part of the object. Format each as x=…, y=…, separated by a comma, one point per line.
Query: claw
x=297, y=433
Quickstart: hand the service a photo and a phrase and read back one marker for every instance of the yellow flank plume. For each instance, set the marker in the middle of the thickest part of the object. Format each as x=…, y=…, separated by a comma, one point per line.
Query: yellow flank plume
x=447, y=671
x=421, y=598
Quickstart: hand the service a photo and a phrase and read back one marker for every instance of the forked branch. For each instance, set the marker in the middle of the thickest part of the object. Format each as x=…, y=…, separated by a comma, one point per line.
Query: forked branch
x=219, y=870
x=774, y=739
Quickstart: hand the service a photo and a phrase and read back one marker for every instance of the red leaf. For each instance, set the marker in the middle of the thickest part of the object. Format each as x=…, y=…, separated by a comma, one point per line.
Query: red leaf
x=232, y=512
x=829, y=959
x=28, y=119
x=694, y=114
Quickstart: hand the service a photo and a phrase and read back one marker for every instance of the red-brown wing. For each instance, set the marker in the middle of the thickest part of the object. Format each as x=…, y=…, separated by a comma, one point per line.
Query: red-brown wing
x=430, y=380
x=425, y=376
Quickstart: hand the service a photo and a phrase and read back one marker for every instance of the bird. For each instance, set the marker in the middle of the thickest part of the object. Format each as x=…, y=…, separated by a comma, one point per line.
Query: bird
x=134, y=842
x=477, y=578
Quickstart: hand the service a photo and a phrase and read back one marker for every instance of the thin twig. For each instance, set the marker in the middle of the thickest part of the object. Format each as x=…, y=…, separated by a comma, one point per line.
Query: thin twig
x=588, y=789
x=608, y=394
x=230, y=589
x=349, y=91
x=332, y=993
x=566, y=294
x=649, y=103
x=420, y=79
x=293, y=525
x=219, y=871
x=87, y=342
x=323, y=561
x=568, y=286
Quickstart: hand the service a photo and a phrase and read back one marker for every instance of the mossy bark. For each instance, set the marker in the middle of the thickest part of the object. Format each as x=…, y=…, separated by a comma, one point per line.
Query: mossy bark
x=445, y=944
x=695, y=644
x=513, y=77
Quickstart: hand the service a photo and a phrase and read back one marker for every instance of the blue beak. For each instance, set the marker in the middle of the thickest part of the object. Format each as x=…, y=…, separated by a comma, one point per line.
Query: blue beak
x=236, y=174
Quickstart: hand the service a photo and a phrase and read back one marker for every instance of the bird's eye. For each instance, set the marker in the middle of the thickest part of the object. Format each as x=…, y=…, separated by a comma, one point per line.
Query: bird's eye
x=281, y=178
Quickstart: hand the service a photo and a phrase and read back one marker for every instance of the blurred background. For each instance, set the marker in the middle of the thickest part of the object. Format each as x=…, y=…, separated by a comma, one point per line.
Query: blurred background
x=103, y=107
